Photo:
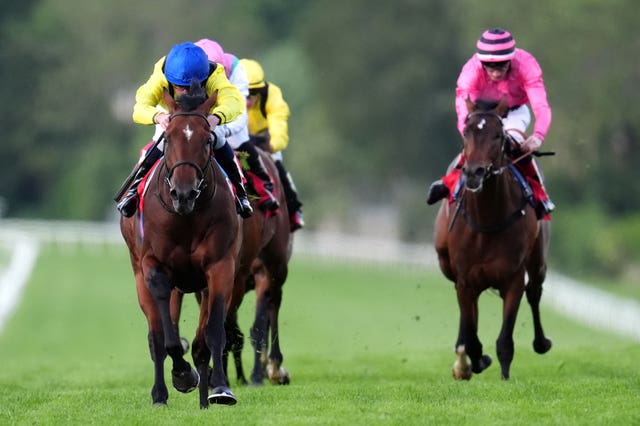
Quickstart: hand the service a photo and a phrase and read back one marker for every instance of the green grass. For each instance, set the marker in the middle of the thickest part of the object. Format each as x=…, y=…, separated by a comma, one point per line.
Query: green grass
x=365, y=345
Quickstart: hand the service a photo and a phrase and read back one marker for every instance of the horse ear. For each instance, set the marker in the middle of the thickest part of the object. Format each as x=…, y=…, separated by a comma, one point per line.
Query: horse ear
x=502, y=107
x=168, y=100
x=470, y=105
x=209, y=103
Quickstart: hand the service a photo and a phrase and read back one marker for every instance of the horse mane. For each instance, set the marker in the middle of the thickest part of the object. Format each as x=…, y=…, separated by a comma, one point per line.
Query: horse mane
x=192, y=99
x=486, y=104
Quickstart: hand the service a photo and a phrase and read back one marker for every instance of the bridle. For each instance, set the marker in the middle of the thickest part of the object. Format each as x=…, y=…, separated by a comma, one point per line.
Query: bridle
x=201, y=171
x=492, y=170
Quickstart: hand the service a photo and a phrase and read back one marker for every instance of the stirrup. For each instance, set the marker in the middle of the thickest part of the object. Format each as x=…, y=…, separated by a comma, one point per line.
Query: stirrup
x=296, y=221
x=243, y=207
x=548, y=206
x=269, y=203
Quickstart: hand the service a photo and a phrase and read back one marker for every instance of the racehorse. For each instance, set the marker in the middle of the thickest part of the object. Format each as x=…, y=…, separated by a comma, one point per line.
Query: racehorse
x=187, y=236
x=496, y=239
x=262, y=266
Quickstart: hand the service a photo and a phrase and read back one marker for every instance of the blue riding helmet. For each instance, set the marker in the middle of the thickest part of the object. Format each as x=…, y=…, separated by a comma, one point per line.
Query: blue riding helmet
x=184, y=62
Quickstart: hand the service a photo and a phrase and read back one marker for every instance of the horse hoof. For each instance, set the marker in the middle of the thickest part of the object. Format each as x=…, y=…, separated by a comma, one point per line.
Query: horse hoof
x=278, y=375
x=185, y=381
x=542, y=346
x=159, y=404
x=461, y=367
x=483, y=363
x=222, y=395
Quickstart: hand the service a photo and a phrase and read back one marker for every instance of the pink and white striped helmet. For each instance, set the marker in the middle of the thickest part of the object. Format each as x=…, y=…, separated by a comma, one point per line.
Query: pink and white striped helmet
x=496, y=45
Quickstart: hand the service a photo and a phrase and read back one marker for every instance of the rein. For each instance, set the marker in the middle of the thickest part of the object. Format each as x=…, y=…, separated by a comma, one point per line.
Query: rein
x=492, y=170
x=202, y=172
x=510, y=220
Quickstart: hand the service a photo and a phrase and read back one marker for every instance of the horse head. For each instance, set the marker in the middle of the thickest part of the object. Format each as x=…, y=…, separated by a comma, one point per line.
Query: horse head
x=484, y=140
x=187, y=149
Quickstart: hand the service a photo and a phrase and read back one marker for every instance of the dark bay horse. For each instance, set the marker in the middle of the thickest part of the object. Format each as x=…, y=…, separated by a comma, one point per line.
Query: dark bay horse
x=187, y=236
x=490, y=239
x=262, y=266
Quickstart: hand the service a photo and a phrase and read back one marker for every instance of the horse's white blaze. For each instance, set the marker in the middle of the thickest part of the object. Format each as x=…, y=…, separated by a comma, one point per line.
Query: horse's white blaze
x=481, y=124
x=187, y=132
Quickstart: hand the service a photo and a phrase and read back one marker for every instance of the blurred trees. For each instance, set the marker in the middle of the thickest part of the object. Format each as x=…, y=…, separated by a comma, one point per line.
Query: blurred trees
x=371, y=88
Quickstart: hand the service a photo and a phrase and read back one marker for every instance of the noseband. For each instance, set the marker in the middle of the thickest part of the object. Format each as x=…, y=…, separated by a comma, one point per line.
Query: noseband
x=202, y=184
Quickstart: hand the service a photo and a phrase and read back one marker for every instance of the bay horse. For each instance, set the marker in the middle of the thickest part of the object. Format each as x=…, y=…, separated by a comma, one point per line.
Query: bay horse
x=262, y=266
x=494, y=242
x=187, y=236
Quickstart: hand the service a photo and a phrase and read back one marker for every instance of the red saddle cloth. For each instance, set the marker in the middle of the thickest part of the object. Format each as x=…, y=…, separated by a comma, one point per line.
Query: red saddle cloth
x=257, y=187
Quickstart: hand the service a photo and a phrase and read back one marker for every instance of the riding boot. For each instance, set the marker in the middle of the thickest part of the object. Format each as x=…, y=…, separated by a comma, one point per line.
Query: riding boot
x=544, y=205
x=265, y=191
x=446, y=185
x=226, y=159
x=294, y=206
x=128, y=205
x=437, y=191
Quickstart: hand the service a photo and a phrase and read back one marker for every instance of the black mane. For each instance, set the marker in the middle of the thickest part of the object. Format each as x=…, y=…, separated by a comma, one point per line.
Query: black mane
x=486, y=104
x=193, y=98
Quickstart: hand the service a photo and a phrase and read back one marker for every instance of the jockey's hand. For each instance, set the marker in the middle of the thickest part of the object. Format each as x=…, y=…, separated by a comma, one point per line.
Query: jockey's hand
x=531, y=144
x=213, y=120
x=162, y=119
x=218, y=136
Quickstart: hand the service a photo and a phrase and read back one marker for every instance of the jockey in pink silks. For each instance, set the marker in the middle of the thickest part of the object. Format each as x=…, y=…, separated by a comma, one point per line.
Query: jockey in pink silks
x=497, y=70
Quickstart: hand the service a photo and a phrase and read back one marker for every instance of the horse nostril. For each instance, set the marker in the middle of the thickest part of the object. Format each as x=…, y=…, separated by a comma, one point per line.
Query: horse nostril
x=480, y=172
x=193, y=194
x=174, y=194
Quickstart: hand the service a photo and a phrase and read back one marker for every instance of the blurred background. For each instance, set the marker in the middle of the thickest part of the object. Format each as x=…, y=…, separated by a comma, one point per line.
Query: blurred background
x=371, y=91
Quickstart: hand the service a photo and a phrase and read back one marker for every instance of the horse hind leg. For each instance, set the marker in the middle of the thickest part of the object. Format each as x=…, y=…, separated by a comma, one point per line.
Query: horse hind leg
x=541, y=344
x=184, y=377
x=277, y=374
x=537, y=272
x=159, y=391
x=504, y=343
x=155, y=336
x=235, y=344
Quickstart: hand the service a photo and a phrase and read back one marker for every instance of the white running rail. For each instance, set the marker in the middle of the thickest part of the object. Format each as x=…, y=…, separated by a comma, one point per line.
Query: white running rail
x=593, y=307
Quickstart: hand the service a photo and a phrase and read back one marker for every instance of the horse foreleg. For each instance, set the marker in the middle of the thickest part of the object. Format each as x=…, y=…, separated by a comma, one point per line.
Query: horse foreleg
x=184, y=377
x=176, y=308
x=504, y=343
x=468, y=330
x=216, y=339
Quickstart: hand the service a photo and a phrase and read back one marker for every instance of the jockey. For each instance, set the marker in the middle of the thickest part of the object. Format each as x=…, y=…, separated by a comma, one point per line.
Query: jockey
x=497, y=70
x=268, y=128
x=185, y=62
x=236, y=131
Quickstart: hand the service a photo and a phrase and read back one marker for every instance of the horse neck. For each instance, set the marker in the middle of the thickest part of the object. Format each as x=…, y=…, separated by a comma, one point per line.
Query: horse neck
x=500, y=196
